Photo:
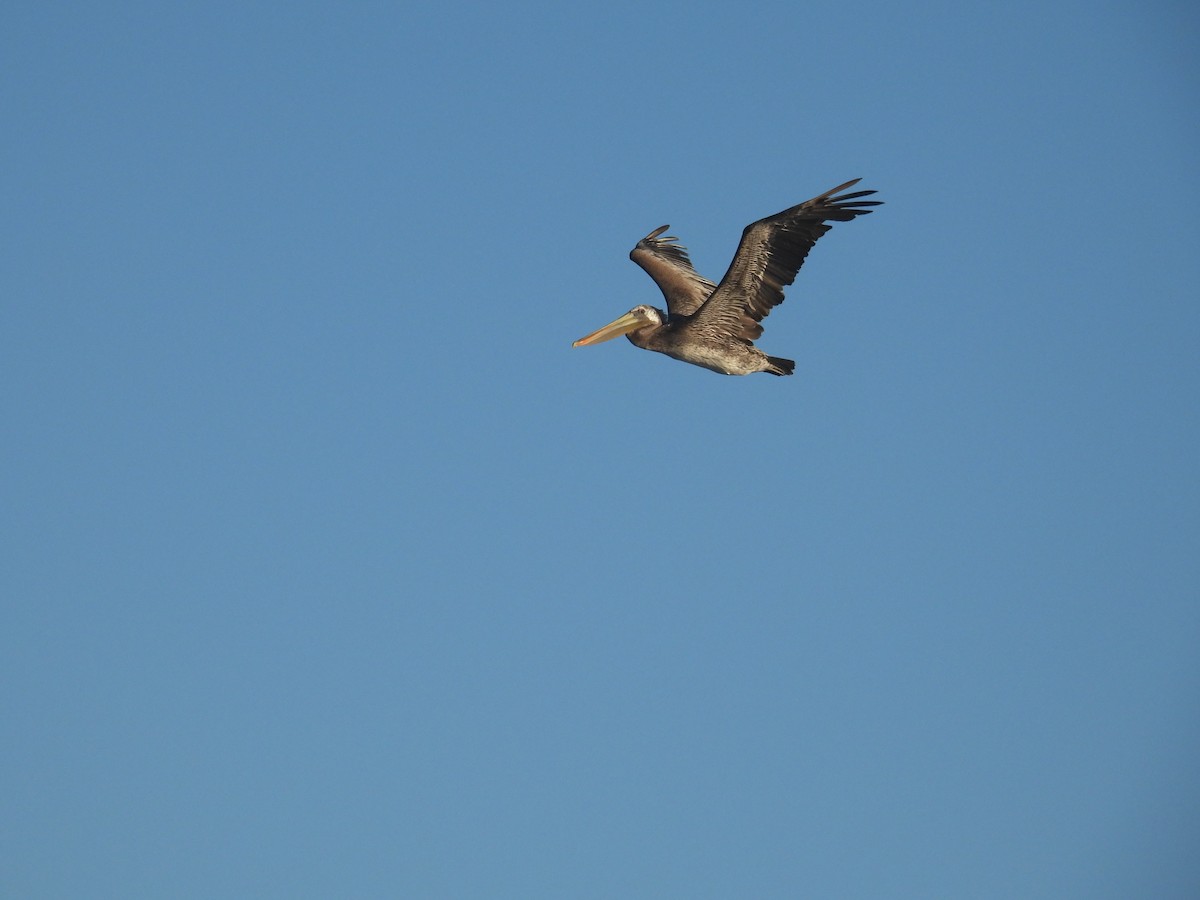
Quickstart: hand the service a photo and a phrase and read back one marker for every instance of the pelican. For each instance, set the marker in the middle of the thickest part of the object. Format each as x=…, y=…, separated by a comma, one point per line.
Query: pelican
x=715, y=325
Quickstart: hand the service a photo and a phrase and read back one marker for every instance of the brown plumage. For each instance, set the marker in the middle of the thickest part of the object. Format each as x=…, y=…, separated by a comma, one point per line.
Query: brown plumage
x=715, y=325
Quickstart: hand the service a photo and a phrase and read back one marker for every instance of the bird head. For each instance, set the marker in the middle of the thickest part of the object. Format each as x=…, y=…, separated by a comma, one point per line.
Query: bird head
x=636, y=319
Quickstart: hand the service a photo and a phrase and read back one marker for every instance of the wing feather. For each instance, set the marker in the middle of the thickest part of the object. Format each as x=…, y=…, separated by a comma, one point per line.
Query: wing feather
x=771, y=252
x=666, y=261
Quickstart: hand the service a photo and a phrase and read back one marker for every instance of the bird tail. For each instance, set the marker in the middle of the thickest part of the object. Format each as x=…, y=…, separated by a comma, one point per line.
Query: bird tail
x=778, y=366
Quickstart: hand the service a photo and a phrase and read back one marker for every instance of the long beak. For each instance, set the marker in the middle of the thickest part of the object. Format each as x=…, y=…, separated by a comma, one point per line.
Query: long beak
x=627, y=323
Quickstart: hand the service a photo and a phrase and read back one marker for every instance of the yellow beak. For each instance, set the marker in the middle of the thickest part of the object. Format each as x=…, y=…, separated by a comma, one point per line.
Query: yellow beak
x=627, y=323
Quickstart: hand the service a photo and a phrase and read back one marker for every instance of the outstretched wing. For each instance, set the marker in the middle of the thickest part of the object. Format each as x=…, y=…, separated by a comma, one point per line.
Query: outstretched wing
x=667, y=262
x=767, y=260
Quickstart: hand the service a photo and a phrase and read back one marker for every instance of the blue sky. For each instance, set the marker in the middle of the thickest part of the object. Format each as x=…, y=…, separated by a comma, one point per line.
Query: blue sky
x=332, y=570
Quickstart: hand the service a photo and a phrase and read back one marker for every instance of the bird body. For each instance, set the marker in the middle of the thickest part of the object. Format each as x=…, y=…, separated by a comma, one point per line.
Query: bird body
x=715, y=325
x=692, y=342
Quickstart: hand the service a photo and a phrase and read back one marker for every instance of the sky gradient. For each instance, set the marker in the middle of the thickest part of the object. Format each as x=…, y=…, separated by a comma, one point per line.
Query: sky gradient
x=331, y=569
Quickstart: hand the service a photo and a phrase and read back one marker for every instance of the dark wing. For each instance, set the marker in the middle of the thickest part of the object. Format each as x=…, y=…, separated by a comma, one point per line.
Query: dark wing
x=767, y=260
x=667, y=262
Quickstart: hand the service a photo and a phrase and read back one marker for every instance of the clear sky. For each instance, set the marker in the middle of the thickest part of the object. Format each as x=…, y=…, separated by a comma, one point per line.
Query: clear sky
x=331, y=570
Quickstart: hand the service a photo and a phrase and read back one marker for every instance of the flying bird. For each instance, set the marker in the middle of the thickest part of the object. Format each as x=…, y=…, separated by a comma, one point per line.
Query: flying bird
x=715, y=325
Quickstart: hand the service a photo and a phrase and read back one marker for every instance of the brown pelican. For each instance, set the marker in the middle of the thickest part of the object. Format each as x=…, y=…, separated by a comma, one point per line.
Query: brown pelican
x=715, y=325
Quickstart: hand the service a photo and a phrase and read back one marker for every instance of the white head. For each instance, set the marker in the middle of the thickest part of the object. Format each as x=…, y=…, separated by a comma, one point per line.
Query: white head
x=636, y=319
